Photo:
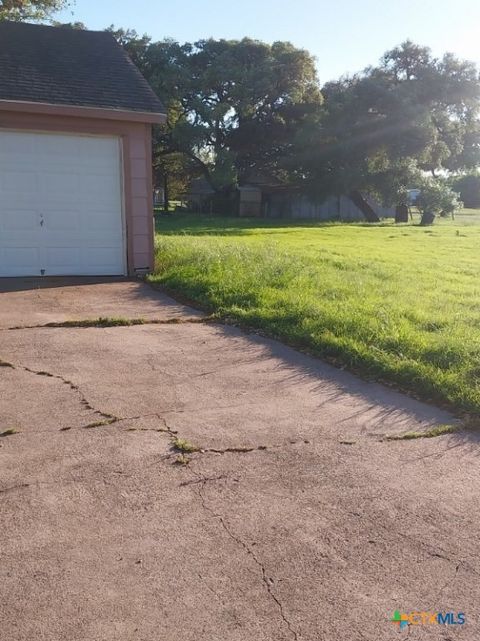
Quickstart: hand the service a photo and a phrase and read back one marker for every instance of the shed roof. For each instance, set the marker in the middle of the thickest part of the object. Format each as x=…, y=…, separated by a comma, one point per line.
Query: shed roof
x=64, y=66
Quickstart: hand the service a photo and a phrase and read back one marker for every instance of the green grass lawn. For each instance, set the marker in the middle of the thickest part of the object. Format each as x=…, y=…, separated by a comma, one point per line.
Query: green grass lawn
x=400, y=304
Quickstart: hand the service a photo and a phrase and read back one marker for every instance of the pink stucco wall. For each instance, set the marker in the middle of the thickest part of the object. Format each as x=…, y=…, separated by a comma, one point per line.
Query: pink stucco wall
x=137, y=169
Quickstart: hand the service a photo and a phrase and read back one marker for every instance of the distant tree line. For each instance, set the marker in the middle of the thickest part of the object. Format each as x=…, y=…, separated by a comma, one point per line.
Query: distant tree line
x=468, y=186
x=237, y=109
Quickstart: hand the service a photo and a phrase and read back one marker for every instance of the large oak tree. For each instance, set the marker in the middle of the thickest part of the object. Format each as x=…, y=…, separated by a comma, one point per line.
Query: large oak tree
x=233, y=107
x=384, y=128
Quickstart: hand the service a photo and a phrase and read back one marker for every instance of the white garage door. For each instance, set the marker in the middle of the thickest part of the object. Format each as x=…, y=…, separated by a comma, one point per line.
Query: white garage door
x=60, y=205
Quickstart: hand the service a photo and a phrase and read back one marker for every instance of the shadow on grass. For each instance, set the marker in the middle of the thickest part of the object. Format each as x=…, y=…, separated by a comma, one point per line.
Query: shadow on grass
x=224, y=225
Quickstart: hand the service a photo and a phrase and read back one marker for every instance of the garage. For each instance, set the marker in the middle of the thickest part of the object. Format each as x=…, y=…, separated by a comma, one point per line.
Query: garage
x=75, y=155
x=61, y=205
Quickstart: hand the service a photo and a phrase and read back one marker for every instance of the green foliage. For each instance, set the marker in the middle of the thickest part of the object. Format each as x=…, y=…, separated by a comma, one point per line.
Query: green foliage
x=8, y=432
x=343, y=292
x=18, y=10
x=383, y=127
x=468, y=187
x=184, y=446
x=233, y=106
x=78, y=26
x=98, y=322
x=436, y=198
x=238, y=110
x=433, y=432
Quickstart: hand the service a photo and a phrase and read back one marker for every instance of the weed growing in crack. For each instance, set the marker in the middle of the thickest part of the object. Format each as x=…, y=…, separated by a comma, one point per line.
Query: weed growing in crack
x=98, y=322
x=182, y=445
x=438, y=430
x=182, y=459
x=106, y=421
x=9, y=432
x=102, y=322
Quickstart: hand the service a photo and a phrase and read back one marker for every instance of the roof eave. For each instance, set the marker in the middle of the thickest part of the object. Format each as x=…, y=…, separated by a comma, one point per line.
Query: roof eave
x=83, y=111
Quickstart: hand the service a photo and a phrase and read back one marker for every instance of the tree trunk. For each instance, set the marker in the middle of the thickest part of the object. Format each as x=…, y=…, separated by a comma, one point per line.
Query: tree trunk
x=427, y=219
x=166, y=200
x=401, y=214
x=367, y=210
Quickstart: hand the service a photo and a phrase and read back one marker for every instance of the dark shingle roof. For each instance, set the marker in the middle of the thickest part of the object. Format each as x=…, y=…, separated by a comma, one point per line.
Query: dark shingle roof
x=64, y=66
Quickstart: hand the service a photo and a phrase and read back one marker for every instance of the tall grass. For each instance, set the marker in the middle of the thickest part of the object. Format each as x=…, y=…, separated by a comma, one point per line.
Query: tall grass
x=399, y=304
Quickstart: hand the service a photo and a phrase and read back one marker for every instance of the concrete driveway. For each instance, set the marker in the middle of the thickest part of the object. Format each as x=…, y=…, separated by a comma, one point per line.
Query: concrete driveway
x=296, y=520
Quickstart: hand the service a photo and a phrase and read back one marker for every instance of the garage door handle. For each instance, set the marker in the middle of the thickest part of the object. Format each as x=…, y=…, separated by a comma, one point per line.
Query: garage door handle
x=41, y=222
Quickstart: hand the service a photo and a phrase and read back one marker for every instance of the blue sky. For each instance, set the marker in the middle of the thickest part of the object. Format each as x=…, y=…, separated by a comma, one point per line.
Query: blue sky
x=344, y=35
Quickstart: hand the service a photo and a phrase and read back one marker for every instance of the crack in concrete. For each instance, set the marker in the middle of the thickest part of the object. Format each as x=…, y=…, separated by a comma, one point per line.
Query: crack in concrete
x=429, y=550
x=20, y=486
x=102, y=323
x=174, y=434
x=426, y=548
x=73, y=387
x=107, y=475
x=458, y=564
x=204, y=479
x=107, y=418
x=234, y=450
x=122, y=419
x=267, y=581
x=452, y=579
x=249, y=450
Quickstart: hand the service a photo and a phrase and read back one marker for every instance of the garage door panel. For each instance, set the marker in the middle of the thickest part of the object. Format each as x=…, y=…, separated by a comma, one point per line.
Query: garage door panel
x=20, y=261
x=91, y=261
x=15, y=220
x=105, y=257
x=99, y=188
x=59, y=224
x=100, y=222
x=60, y=205
x=96, y=152
x=60, y=146
x=18, y=183
x=15, y=143
x=59, y=186
x=62, y=258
